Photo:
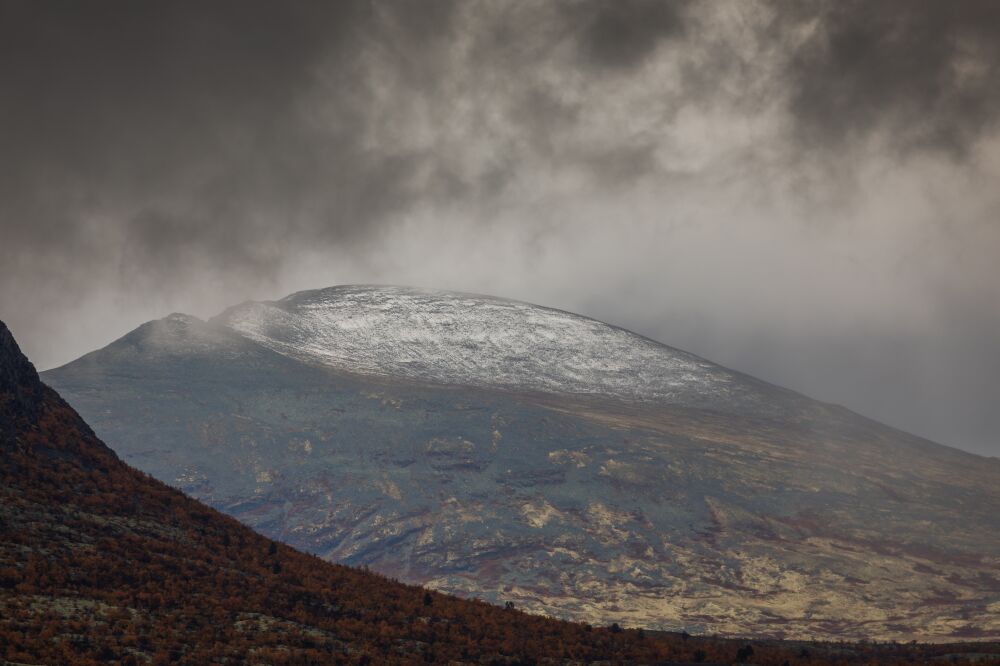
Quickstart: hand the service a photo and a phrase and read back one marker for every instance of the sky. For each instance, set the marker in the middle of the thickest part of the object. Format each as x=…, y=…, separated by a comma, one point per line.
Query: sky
x=804, y=191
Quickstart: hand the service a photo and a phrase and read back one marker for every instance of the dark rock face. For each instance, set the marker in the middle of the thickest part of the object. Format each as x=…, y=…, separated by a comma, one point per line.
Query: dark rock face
x=20, y=391
x=701, y=512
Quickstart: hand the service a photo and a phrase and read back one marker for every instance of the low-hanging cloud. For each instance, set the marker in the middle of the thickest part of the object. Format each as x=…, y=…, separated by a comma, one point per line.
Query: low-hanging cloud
x=804, y=191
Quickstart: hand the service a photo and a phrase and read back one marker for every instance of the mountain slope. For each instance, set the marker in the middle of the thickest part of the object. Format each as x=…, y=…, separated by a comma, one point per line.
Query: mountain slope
x=101, y=564
x=746, y=509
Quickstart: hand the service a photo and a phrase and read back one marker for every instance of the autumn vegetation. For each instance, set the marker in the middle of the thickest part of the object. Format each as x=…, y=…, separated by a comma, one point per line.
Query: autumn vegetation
x=100, y=564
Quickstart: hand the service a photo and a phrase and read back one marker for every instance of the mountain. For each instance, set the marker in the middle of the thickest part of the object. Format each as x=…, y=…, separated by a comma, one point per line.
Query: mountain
x=516, y=453
x=100, y=563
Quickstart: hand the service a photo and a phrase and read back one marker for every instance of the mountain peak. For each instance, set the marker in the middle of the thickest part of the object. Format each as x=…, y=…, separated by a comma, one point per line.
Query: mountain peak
x=182, y=319
x=173, y=335
x=21, y=391
x=15, y=369
x=464, y=339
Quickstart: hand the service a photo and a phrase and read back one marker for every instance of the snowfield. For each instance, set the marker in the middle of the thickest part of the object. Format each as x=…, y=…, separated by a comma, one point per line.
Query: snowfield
x=482, y=341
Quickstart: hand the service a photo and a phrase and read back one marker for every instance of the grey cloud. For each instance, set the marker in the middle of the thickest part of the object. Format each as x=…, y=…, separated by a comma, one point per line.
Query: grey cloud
x=925, y=73
x=116, y=105
x=620, y=34
x=670, y=166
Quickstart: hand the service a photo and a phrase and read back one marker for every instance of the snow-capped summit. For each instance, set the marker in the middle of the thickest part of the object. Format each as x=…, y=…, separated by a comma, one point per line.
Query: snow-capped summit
x=473, y=340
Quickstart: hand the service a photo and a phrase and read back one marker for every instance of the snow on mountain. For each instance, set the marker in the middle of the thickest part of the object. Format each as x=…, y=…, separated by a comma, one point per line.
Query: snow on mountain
x=465, y=339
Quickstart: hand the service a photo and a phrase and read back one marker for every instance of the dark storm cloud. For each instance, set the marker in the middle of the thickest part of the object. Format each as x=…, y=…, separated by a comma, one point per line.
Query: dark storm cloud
x=124, y=104
x=771, y=184
x=925, y=72
x=183, y=125
x=621, y=34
